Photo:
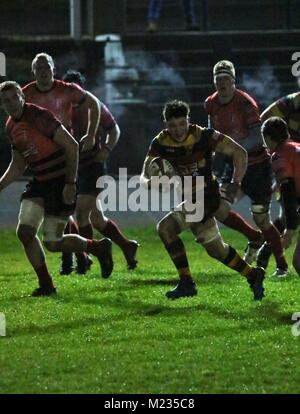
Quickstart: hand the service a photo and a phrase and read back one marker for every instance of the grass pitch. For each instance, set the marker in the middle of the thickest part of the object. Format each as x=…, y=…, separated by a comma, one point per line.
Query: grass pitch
x=122, y=335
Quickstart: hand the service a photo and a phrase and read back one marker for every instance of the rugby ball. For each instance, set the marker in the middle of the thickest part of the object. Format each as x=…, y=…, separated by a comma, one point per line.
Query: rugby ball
x=160, y=166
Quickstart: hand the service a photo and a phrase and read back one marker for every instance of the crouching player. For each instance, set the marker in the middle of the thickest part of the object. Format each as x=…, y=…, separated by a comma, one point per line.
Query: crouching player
x=40, y=142
x=189, y=148
x=286, y=166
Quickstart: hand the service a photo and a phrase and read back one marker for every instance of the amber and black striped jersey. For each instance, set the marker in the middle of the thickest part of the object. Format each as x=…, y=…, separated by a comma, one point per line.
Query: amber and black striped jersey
x=288, y=108
x=32, y=136
x=192, y=157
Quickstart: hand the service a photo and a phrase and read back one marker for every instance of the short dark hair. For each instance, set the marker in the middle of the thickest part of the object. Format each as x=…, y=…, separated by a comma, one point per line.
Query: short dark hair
x=276, y=128
x=5, y=86
x=175, y=109
x=74, y=76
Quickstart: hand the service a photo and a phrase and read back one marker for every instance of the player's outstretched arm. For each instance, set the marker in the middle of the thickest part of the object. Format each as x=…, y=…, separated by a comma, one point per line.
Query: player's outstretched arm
x=238, y=154
x=65, y=140
x=145, y=177
x=93, y=105
x=15, y=169
x=240, y=161
x=111, y=141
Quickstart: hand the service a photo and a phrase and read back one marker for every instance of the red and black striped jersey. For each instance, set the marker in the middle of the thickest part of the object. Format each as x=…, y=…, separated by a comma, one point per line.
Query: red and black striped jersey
x=32, y=136
x=60, y=99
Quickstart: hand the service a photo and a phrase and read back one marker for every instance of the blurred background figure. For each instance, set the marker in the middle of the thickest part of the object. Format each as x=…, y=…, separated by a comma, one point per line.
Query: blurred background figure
x=154, y=10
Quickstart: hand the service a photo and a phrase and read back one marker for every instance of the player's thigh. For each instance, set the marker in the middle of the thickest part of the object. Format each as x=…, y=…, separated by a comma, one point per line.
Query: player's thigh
x=31, y=216
x=174, y=222
x=206, y=232
x=257, y=183
x=53, y=231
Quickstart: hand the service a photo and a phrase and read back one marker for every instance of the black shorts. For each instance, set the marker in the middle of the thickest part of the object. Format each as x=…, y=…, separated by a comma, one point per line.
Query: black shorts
x=212, y=199
x=88, y=176
x=257, y=182
x=52, y=194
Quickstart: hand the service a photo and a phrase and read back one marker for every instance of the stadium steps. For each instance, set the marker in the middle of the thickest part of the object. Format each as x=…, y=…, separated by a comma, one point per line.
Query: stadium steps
x=221, y=16
x=180, y=64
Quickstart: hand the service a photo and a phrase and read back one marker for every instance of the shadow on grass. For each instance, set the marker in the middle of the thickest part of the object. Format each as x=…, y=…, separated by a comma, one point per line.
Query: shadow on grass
x=267, y=316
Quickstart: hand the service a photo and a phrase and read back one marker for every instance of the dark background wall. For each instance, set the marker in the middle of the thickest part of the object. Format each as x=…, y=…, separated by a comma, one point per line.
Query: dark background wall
x=258, y=36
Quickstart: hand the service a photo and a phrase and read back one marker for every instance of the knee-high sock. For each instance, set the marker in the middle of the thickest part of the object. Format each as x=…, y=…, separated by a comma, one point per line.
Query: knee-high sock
x=177, y=253
x=234, y=261
x=236, y=222
x=272, y=236
x=112, y=231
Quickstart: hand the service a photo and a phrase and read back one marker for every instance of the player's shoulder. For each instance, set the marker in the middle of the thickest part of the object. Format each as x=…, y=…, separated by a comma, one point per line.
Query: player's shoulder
x=35, y=113
x=295, y=97
x=67, y=86
x=161, y=138
x=60, y=84
x=35, y=110
x=285, y=150
x=245, y=98
x=211, y=100
x=197, y=131
x=29, y=87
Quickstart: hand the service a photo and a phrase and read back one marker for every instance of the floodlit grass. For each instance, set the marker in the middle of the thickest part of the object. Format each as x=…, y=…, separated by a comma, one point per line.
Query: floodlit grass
x=122, y=335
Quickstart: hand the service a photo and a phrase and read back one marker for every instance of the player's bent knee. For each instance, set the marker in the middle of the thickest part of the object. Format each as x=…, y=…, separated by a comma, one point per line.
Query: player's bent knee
x=223, y=210
x=217, y=249
x=167, y=229
x=31, y=214
x=25, y=233
x=208, y=235
x=261, y=215
x=161, y=228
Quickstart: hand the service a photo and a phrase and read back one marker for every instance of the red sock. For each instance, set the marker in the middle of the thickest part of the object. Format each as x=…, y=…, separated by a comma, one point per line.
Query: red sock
x=45, y=279
x=86, y=232
x=236, y=222
x=272, y=236
x=112, y=231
